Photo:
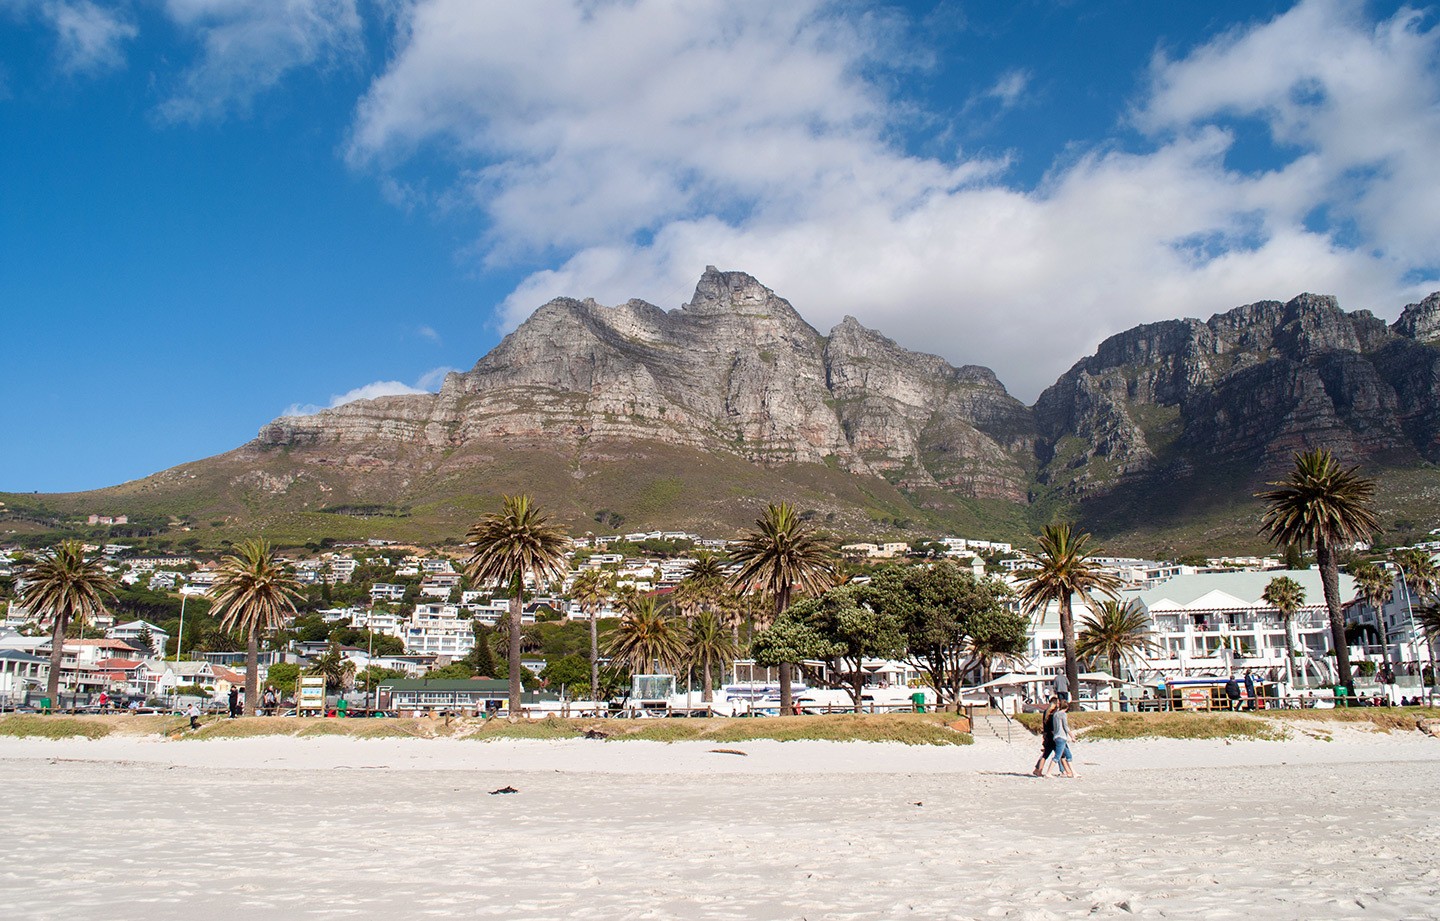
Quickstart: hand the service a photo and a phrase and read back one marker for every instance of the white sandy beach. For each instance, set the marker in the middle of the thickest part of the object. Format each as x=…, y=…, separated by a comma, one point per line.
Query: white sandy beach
x=123, y=828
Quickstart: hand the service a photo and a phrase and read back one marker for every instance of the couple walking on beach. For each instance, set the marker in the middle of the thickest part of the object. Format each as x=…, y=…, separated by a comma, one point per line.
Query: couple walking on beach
x=1055, y=731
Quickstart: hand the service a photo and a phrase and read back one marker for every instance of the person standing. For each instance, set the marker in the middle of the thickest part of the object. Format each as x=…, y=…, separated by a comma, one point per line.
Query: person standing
x=1062, y=688
x=1060, y=727
x=234, y=702
x=1250, y=690
x=1047, y=735
x=194, y=713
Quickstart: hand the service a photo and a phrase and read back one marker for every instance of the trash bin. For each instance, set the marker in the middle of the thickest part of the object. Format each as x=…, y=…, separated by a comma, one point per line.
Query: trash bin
x=340, y=708
x=918, y=699
x=45, y=704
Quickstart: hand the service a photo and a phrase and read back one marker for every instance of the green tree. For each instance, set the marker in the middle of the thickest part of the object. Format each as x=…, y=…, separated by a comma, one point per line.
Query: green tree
x=1061, y=569
x=1422, y=581
x=646, y=638
x=283, y=676
x=569, y=672
x=252, y=592
x=145, y=640
x=783, y=557
x=62, y=587
x=452, y=671
x=591, y=590
x=709, y=644
x=372, y=676
x=842, y=631
x=1118, y=632
x=516, y=543
x=1324, y=506
x=994, y=632
x=951, y=620
x=1286, y=596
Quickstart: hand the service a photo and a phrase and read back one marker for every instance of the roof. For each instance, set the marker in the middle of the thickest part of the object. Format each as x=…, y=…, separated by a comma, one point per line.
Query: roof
x=125, y=664
x=102, y=644
x=1211, y=591
x=15, y=655
x=227, y=674
x=447, y=684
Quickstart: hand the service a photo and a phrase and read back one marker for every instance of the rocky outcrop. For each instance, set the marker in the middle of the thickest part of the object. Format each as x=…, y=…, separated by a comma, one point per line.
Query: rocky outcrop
x=1252, y=386
x=1421, y=321
x=736, y=370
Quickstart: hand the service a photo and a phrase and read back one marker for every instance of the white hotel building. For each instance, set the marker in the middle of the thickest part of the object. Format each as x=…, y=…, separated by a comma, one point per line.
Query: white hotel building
x=1210, y=623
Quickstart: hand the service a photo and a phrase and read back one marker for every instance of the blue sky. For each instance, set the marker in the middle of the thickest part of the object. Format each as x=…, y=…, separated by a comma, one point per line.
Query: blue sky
x=213, y=212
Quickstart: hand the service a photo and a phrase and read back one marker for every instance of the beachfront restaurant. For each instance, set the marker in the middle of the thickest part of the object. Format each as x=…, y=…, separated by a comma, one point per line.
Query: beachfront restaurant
x=459, y=696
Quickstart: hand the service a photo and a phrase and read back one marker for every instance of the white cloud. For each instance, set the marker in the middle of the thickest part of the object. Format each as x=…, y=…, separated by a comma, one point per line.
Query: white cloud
x=88, y=37
x=640, y=141
x=429, y=382
x=248, y=46
x=428, y=332
x=1010, y=88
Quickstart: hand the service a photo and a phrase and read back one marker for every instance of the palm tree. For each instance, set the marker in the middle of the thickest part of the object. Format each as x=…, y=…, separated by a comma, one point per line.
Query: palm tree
x=1117, y=631
x=509, y=546
x=1286, y=596
x=253, y=592
x=1422, y=581
x=1325, y=506
x=63, y=586
x=1060, y=570
x=784, y=557
x=591, y=589
x=646, y=638
x=708, y=644
x=1376, y=586
x=707, y=568
x=338, y=671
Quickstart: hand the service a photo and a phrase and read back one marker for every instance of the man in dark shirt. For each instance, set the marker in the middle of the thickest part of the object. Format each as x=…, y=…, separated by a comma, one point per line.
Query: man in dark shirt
x=1232, y=691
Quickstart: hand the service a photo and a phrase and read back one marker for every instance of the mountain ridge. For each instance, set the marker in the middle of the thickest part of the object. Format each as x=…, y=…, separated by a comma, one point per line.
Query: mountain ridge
x=871, y=434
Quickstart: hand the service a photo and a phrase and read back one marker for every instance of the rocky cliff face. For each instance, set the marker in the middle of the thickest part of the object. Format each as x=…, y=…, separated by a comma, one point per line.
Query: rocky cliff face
x=1250, y=386
x=736, y=370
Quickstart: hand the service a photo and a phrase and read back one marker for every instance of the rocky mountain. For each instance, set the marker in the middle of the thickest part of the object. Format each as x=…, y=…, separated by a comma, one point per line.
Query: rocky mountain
x=693, y=417
x=1247, y=388
x=736, y=370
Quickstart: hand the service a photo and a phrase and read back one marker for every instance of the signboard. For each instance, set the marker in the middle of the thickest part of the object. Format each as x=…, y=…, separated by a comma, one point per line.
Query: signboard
x=312, y=693
x=1197, y=698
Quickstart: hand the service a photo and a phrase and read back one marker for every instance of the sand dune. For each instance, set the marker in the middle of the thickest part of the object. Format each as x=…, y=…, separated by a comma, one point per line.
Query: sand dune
x=334, y=827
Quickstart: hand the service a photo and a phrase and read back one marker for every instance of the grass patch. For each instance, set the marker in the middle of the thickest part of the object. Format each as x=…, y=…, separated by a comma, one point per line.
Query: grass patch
x=1090, y=726
x=1385, y=719
x=24, y=726
x=551, y=727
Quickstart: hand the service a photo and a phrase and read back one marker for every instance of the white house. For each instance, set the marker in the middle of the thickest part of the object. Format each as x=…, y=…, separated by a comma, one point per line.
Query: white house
x=130, y=633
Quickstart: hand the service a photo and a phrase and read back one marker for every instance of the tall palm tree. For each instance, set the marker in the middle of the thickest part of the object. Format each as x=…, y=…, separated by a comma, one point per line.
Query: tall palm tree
x=784, y=557
x=591, y=589
x=1117, y=631
x=1286, y=596
x=1325, y=506
x=1059, y=570
x=1422, y=581
x=709, y=644
x=707, y=568
x=646, y=638
x=510, y=545
x=1376, y=586
x=253, y=592
x=63, y=586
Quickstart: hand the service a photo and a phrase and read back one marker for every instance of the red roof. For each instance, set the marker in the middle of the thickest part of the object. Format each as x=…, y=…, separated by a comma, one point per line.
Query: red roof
x=225, y=674
x=126, y=664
